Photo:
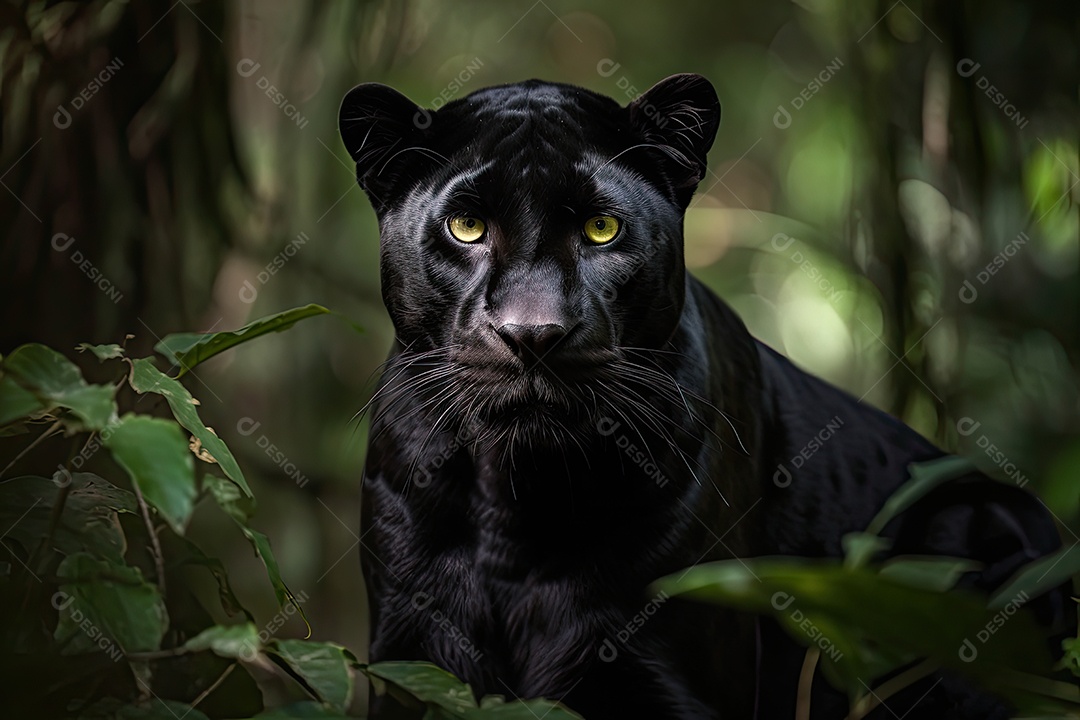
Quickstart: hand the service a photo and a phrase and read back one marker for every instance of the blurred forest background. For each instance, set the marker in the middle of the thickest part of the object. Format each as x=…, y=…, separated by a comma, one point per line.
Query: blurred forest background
x=892, y=203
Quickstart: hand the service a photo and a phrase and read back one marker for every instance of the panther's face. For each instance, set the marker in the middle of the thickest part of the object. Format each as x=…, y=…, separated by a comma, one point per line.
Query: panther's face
x=531, y=236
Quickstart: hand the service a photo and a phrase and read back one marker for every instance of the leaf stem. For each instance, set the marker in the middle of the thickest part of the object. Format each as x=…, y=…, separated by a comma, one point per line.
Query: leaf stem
x=52, y=430
x=155, y=546
x=806, y=683
x=214, y=686
x=888, y=689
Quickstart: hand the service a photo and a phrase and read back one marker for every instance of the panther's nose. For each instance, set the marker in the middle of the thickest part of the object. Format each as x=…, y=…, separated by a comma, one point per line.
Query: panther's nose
x=531, y=342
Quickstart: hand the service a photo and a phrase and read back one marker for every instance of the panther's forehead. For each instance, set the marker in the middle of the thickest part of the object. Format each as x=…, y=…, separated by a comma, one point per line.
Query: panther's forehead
x=533, y=97
x=532, y=130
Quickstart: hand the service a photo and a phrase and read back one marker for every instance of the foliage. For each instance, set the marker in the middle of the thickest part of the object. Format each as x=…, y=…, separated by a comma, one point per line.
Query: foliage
x=98, y=555
x=864, y=620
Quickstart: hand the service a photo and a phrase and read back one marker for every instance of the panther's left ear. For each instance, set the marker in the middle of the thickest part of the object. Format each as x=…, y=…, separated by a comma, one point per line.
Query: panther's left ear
x=681, y=113
x=377, y=123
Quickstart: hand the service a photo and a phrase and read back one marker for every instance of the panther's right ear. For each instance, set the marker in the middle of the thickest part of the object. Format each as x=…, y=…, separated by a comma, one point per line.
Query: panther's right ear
x=680, y=114
x=377, y=123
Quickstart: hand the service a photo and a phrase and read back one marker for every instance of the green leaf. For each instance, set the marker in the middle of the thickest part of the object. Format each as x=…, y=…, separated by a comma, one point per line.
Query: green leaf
x=230, y=498
x=56, y=381
x=189, y=349
x=181, y=551
x=103, y=352
x=16, y=402
x=428, y=683
x=929, y=572
x=284, y=595
x=860, y=548
x=147, y=378
x=448, y=697
x=239, y=508
x=867, y=607
x=232, y=641
x=1040, y=576
x=107, y=606
x=301, y=710
x=89, y=522
x=1070, y=660
x=924, y=478
x=19, y=428
x=154, y=709
x=323, y=666
x=155, y=455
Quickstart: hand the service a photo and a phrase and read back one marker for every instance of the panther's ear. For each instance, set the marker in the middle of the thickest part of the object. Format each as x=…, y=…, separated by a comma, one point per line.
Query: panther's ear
x=376, y=123
x=681, y=113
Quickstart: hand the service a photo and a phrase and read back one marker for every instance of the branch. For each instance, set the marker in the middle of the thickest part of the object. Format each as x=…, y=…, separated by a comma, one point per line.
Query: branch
x=155, y=546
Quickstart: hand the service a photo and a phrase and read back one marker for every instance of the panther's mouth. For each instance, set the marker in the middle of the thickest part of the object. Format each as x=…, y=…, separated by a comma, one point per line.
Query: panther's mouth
x=533, y=405
x=528, y=393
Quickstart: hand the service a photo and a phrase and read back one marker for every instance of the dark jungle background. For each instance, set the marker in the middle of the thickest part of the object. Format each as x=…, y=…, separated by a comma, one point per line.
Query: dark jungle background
x=892, y=203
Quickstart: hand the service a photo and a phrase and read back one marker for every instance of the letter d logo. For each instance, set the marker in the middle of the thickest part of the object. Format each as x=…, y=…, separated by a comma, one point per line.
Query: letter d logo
x=782, y=477
x=247, y=67
x=248, y=293
x=967, y=67
x=61, y=242
x=968, y=294
x=246, y=426
x=421, y=600
x=782, y=241
x=782, y=118
x=965, y=426
x=606, y=426
x=782, y=600
x=607, y=67
x=62, y=118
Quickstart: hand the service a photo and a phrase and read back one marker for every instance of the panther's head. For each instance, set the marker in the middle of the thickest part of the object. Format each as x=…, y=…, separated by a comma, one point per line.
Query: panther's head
x=531, y=236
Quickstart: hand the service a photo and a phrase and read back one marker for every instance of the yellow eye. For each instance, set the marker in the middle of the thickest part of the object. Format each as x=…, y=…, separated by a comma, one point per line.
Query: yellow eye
x=467, y=228
x=601, y=229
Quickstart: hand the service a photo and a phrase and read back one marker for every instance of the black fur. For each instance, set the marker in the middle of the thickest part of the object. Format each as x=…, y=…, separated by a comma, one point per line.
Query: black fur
x=508, y=532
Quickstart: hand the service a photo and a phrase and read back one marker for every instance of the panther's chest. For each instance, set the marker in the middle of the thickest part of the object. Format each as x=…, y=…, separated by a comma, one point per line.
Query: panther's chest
x=527, y=636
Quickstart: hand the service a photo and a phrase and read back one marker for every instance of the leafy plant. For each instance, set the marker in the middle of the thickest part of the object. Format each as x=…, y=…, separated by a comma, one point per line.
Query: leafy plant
x=904, y=618
x=93, y=597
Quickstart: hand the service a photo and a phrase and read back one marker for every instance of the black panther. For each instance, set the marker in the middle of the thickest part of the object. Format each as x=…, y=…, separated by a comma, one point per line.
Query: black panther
x=568, y=415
